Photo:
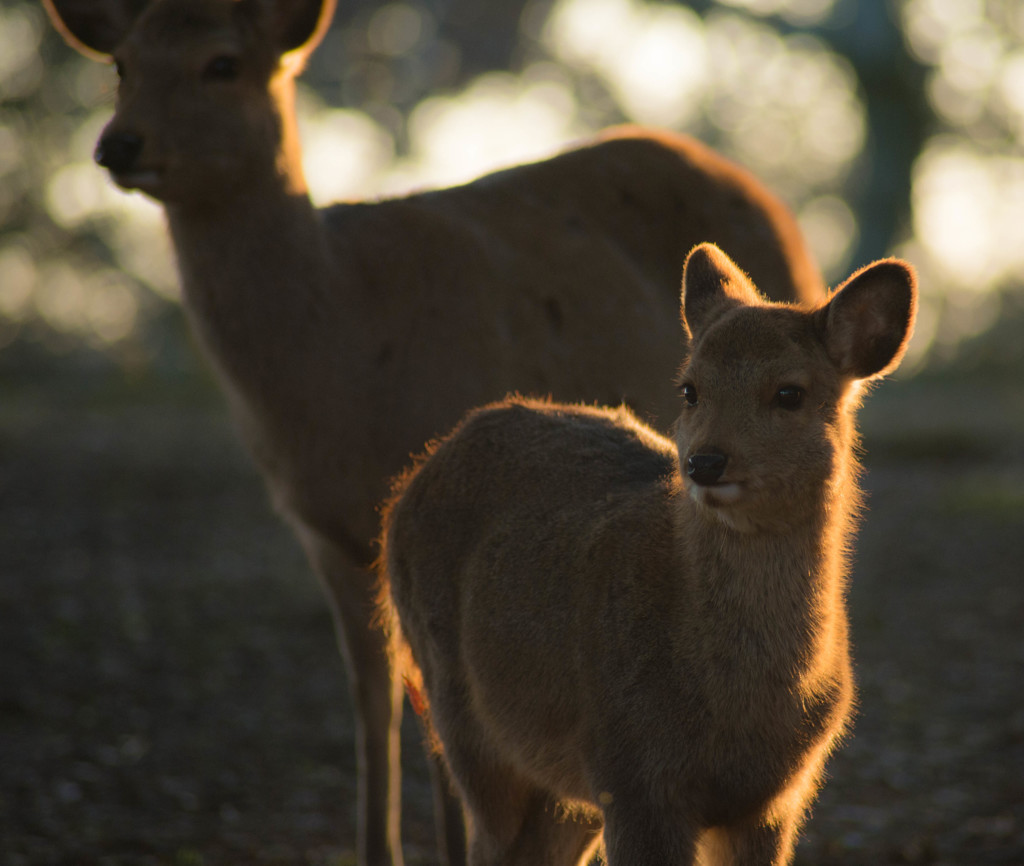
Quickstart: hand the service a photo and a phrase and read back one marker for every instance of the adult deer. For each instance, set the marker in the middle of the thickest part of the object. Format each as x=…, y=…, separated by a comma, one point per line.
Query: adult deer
x=347, y=337
x=614, y=631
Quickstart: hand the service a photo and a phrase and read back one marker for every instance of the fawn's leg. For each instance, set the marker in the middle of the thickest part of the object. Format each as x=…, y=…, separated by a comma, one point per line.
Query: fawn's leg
x=509, y=821
x=377, y=699
x=549, y=835
x=534, y=832
x=756, y=843
x=636, y=832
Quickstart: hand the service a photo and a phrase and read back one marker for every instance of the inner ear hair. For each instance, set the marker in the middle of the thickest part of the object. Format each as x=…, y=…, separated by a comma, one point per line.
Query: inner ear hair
x=712, y=284
x=869, y=320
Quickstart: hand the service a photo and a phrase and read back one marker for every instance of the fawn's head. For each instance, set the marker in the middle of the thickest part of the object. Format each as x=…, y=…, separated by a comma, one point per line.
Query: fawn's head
x=769, y=390
x=204, y=87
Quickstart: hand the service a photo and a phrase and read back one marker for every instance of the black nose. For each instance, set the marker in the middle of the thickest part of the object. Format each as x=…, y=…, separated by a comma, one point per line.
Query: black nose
x=118, y=151
x=706, y=469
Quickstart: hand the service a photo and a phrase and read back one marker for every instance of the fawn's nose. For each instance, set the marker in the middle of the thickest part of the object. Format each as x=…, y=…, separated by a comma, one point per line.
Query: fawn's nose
x=118, y=151
x=705, y=469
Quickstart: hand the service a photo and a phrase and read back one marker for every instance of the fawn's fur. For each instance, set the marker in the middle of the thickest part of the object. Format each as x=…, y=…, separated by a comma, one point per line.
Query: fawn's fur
x=603, y=639
x=347, y=337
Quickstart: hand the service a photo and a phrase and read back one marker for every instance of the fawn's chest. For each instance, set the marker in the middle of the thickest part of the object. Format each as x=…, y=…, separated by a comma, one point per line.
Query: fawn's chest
x=768, y=741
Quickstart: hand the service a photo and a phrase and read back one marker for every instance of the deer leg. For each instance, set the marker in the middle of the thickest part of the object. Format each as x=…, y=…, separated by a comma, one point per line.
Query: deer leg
x=449, y=823
x=757, y=843
x=509, y=821
x=551, y=835
x=637, y=832
x=377, y=701
x=531, y=828
x=496, y=800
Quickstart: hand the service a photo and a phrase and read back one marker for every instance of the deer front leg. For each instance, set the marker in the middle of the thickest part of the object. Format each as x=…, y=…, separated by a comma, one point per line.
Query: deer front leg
x=754, y=843
x=635, y=831
x=377, y=700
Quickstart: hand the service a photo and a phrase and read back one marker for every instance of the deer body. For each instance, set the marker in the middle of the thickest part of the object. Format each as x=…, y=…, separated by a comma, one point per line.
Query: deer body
x=603, y=638
x=397, y=342
x=347, y=337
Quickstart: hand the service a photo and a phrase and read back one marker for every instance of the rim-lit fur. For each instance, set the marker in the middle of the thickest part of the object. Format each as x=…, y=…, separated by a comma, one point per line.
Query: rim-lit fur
x=619, y=631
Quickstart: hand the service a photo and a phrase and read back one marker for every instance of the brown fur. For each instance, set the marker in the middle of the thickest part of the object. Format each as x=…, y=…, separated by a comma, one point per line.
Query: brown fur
x=347, y=337
x=606, y=639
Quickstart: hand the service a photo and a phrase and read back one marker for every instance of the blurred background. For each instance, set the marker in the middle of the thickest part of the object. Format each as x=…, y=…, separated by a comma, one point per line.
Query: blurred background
x=894, y=126
x=169, y=690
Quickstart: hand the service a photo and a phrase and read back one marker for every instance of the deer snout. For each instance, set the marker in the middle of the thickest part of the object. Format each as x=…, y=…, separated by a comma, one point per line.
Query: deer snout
x=706, y=469
x=118, y=151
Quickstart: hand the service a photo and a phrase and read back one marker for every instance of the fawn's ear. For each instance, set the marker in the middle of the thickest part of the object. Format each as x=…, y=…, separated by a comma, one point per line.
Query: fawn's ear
x=868, y=321
x=712, y=284
x=93, y=27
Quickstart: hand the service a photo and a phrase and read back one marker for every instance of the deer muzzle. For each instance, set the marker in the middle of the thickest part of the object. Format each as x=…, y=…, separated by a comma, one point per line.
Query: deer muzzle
x=706, y=469
x=118, y=152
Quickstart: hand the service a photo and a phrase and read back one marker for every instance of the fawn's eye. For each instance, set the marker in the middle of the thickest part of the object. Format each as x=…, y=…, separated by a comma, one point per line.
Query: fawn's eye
x=790, y=397
x=689, y=393
x=224, y=67
x=119, y=69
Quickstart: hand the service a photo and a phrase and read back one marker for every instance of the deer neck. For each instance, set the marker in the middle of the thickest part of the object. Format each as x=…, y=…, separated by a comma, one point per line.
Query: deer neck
x=256, y=271
x=771, y=606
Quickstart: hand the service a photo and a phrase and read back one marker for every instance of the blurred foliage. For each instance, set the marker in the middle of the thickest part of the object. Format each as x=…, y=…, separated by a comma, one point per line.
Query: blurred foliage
x=888, y=126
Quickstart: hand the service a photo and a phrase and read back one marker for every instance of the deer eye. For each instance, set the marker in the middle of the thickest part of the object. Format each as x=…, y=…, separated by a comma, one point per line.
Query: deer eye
x=222, y=68
x=119, y=69
x=689, y=393
x=790, y=397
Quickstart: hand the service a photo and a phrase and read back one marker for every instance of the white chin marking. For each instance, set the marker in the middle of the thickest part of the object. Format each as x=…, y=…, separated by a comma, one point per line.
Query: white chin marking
x=718, y=500
x=725, y=493
x=716, y=495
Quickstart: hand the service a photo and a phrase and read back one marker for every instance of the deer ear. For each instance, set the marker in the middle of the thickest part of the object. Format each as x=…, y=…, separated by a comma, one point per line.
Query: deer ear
x=93, y=27
x=712, y=284
x=868, y=321
x=302, y=23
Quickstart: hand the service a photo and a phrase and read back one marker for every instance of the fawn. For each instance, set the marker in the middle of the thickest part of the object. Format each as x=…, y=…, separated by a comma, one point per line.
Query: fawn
x=345, y=338
x=613, y=630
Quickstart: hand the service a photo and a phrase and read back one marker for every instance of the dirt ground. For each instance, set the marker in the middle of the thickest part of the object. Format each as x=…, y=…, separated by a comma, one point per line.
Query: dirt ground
x=170, y=690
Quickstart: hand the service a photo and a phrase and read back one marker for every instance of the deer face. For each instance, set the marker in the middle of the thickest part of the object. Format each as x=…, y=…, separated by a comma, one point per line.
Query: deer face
x=194, y=116
x=204, y=100
x=769, y=390
x=758, y=434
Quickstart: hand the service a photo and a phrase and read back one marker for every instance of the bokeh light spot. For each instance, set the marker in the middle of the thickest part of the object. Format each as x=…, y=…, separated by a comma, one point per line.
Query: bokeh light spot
x=17, y=281
x=499, y=120
x=344, y=152
x=831, y=230
x=396, y=28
